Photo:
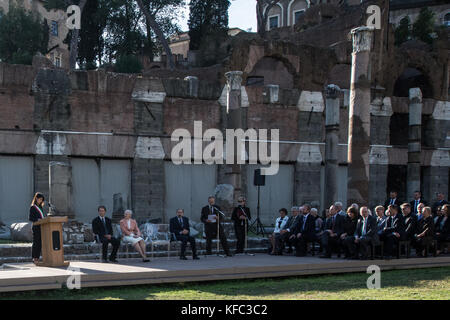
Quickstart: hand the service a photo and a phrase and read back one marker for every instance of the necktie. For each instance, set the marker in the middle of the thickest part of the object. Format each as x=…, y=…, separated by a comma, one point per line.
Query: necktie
x=279, y=223
x=104, y=223
x=392, y=201
x=304, y=222
x=334, y=220
x=364, y=228
x=415, y=206
x=181, y=222
x=212, y=210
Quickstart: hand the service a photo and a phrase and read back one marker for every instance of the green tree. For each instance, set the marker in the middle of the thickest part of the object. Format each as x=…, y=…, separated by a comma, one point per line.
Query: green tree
x=22, y=35
x=208, y=19
x=423, y=27
x=403, y=31
x=128, y=64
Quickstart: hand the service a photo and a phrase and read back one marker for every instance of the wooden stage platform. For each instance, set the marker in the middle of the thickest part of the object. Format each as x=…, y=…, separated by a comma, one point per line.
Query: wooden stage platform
x=26, y=276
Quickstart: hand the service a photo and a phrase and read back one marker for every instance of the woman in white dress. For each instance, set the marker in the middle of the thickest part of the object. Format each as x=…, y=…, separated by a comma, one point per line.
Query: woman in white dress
x=132, y=234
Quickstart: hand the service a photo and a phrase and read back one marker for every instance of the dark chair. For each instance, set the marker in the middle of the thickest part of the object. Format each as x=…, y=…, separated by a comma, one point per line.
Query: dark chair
x=431, y=244
x=374, y=247
x=406, y=245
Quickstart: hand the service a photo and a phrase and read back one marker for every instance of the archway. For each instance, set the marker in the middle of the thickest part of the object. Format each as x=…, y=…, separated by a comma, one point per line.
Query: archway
x=270, y=70
x=412, y=78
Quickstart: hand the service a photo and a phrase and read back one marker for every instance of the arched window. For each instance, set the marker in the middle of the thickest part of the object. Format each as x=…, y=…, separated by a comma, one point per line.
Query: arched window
x=447, y=20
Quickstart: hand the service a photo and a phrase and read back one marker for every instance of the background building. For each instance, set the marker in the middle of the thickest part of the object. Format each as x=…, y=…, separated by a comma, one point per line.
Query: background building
x=56, y=20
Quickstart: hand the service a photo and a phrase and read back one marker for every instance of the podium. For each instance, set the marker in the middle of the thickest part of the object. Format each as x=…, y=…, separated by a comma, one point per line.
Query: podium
x=52, y=241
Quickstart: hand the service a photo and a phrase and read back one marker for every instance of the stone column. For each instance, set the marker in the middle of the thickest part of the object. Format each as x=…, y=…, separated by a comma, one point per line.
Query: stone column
x=331, y=145
x=414, y=141
x=359, y=117
x=233, y=117
x=60, y=189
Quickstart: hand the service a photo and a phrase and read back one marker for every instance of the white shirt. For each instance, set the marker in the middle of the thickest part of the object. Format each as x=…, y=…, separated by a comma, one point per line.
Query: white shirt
x=278, y=226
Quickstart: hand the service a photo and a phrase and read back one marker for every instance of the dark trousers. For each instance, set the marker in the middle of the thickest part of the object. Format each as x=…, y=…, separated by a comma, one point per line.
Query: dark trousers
x=361, y=248
x=211, y=233
x=390, y=243
x=420, y=243
x=115, y=244
x=240, y=236
x=301, y=243
x=184, y=240
x=330, y=243
x=441, y=238
x=36, y=248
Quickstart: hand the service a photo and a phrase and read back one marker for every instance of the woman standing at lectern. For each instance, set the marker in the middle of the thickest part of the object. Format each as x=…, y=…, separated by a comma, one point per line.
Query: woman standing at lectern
x=36, y=213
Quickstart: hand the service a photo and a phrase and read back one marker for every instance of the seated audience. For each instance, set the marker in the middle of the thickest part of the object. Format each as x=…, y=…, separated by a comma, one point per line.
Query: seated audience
x=393, y=231
x=365, y=234
x=132, y=234
x=304, y=232
x=381, y=219
x=275, y=237
x=439, y=203
x=287, y=235
x=339, y=209
x=442, y=228
x=318, y=224
x=102, y=228
x=179, y=226
x=410, y=221
x=425, y=232
x=332, y=232
x=349, y=228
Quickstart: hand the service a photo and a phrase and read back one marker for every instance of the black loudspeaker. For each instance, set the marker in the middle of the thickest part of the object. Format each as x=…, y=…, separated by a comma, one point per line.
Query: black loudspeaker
x=55, y=240
x=258, y=179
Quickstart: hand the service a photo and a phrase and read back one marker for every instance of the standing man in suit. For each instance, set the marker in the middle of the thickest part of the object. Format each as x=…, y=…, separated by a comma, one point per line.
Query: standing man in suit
x=365, y=234
x=393, y=199
x=415, y=203
x=211, y=225
x=332, y=232
x=394, y=230
x=304, y=231
x=241, y=216
x=179, y=226
x=102, y=228
x=439, y=203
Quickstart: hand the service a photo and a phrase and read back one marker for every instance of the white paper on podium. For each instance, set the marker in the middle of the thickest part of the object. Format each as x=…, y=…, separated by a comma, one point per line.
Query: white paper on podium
x=212, y=218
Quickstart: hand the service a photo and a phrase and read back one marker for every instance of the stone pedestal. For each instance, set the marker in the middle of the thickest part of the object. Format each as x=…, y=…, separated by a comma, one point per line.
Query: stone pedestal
x=60, y=189
x=359, y=117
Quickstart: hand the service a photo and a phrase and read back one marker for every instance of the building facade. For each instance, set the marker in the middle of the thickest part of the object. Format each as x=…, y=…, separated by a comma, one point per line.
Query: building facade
x=56, y=20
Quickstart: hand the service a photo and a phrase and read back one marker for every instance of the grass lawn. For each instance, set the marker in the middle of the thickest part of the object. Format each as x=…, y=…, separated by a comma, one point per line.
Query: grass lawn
x=430, y=284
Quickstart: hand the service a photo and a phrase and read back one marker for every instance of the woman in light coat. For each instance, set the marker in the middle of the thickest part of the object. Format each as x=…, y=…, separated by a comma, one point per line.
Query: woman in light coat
x=132, y=234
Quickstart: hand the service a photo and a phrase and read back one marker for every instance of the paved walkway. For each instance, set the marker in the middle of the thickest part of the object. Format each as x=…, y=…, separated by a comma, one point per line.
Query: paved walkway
x=26, y=276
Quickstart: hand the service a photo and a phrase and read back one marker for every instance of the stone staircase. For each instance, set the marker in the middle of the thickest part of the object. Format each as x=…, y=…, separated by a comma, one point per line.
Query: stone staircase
x=21, y=252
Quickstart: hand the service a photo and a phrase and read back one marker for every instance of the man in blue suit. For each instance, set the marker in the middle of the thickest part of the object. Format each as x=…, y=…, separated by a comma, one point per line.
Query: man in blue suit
x=179, y=227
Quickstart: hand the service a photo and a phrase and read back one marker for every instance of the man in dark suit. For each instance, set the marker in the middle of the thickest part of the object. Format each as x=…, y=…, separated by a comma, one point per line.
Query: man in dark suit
x=393, y=199
x=439, y=203
x=394, y=230
x=179, y=227
x=334, y=226
x=410, y=221
x=286, y=234
x=304, y=231
x=365, y=234
x=417, y=199
x=211, y=225
x=102, y=228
